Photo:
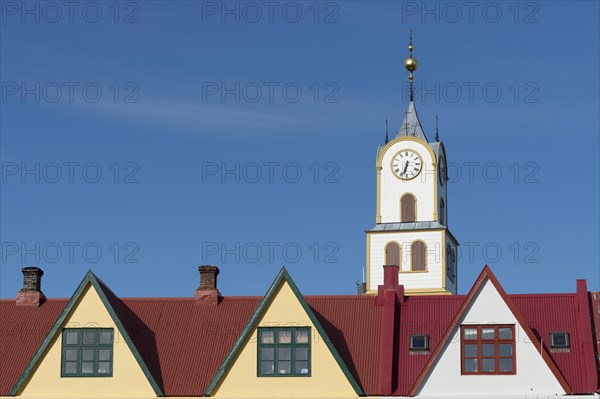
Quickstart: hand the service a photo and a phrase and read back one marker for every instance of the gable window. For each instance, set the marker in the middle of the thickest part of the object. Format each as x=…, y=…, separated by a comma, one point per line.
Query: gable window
x=488, y=349
x=392, y=254
x=419, y=343
x=418, y=262
x=408, y=208
x=559, y=340
x=87, y=352
x=284, y=351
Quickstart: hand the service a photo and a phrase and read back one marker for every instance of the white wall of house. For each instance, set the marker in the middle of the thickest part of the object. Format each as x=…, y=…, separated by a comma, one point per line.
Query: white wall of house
x=533, y=377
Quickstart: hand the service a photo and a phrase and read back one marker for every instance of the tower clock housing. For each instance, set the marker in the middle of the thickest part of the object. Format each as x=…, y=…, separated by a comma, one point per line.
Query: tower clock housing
x=411, y=229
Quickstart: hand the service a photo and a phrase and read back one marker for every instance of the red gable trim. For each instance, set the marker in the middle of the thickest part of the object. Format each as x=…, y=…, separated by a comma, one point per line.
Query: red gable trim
x=486, y=274
x=595, y=299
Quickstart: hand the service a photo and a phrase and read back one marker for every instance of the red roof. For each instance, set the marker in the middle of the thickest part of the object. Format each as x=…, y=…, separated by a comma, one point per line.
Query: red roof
x=22, y=330
x=354, y=326
x=540, y=314
x=543, y=313
x=183, y=345
x=429, y=315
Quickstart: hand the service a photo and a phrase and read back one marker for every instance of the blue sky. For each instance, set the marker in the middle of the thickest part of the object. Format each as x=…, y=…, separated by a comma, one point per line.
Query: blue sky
x=142, y=139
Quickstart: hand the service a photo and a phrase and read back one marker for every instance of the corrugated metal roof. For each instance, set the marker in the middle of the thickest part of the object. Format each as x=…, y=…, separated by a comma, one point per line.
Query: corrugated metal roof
x=183, y=345
x=544, y=313
x=555, y=313
x=429, y=315
x=353, y=324
x=186, y=343
x=22, y=330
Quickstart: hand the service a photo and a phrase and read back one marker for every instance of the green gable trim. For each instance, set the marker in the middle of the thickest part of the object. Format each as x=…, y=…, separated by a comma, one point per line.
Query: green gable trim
x=282, y=277
x=90, y=279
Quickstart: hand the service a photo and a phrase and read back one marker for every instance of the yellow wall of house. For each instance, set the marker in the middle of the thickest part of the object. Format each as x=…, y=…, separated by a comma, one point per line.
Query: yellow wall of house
x=128, y=380
x=326, y=380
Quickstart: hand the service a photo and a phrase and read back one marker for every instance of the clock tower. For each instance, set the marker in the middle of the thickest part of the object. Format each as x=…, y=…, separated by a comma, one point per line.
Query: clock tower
x=411, y=229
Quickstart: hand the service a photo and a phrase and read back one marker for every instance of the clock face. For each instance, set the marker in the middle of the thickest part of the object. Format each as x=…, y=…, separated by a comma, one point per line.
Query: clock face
x=442, y=170
x=407, y=164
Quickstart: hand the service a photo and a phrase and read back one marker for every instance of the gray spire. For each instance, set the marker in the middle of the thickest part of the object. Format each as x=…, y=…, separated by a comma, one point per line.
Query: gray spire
x=411, y=125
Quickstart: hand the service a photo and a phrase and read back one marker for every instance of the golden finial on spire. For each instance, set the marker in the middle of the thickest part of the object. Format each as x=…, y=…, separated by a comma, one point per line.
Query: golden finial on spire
x=411, y=65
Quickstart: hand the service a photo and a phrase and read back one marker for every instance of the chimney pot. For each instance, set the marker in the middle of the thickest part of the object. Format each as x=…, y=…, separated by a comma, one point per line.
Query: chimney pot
x=207, y=293
x=31, y=294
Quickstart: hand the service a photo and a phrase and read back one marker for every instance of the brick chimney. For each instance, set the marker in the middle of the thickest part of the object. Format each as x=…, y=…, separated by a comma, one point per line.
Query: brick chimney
x=31, y=294
x=207, y=293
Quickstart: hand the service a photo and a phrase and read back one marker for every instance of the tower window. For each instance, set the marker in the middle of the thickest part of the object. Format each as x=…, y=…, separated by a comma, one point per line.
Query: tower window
x=418, y=256
x=392, y=254
x=408, y=208
x=442, y=210
x=450, y=263
x=453, y=265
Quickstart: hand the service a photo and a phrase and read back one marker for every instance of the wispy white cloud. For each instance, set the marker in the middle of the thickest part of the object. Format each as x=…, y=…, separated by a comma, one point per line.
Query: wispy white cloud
x=191, y=116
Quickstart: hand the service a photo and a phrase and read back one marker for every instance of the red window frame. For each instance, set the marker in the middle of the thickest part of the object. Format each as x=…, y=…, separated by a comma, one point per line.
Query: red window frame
x=480, y=341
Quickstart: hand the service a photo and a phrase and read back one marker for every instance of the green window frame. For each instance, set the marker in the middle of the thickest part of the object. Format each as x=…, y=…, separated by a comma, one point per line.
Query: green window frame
x=87, y=352
x=284, y=352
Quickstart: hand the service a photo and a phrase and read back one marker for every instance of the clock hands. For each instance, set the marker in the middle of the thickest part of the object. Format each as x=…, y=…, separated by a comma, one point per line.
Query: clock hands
x=406, y=165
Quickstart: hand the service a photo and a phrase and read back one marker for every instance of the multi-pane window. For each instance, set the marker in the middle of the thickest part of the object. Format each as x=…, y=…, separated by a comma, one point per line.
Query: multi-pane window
x=419, y=343
x=488, y=349
x=284, y=351
x=559, y=340
x=87, y=352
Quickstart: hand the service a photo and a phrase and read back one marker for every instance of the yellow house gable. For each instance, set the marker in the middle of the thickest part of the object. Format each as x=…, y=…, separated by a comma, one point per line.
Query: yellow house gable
x=86, y=309
x=282, y=308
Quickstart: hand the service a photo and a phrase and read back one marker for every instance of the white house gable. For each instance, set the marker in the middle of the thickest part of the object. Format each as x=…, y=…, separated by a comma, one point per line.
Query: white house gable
x=532, y=375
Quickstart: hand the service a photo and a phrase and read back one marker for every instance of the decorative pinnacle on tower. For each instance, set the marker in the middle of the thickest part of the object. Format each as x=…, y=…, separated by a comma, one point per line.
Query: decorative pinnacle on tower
x=387, y=139
x=411, y=65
